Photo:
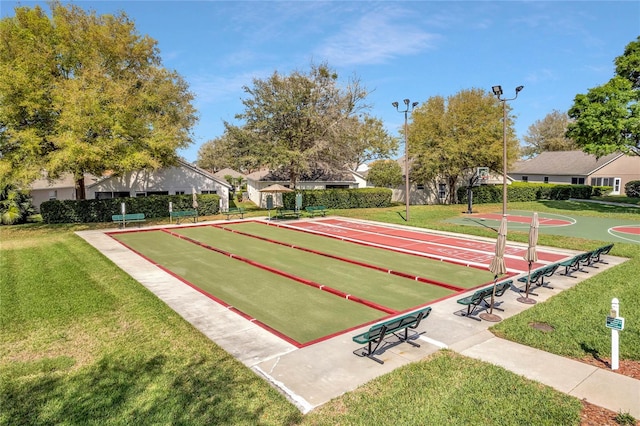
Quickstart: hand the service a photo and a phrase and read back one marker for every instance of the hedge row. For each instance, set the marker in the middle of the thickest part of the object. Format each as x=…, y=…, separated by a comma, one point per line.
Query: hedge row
x=520, y=191
x=340, y=198
x=156, y=206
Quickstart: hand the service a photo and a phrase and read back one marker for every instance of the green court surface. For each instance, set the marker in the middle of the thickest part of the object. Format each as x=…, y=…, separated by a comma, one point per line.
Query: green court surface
x=301, y=312
x=391, y=291
x=593, y=228
x=457, y=275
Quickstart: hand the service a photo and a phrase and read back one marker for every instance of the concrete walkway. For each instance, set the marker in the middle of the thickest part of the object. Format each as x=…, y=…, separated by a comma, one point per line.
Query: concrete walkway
x=313, y=375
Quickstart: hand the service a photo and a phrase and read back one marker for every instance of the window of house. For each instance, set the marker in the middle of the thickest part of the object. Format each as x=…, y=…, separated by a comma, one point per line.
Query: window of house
x=337, y=186
x=546, y=179
x=53, y=194
x=525, y=178
x=420, y=186
x=141, y=194
x=442, y=190
x=577, y=181
x=180, y=192
x=208, y=192
x=603, y=181
x=149, y=193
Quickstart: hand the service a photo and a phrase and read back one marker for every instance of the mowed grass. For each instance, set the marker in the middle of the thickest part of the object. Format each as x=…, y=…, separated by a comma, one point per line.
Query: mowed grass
x=457, y=275
x=301, y=312
x=83, y=343
x=128, y=359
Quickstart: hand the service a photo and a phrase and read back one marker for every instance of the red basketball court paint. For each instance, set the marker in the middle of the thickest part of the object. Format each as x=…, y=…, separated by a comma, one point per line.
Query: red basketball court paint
x=633, y=230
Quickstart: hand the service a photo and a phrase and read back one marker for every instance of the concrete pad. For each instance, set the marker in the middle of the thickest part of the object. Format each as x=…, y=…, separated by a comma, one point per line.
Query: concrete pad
x=606, y=388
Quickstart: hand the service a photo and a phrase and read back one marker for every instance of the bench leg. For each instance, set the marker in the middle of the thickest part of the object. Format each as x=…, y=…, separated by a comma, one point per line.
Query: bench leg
x=369, y=352
x=406, y=338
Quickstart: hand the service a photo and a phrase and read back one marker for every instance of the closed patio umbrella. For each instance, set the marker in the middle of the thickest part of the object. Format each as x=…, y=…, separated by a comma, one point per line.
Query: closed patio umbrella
x=531, y=256
x=194, y=197
x=498, y=267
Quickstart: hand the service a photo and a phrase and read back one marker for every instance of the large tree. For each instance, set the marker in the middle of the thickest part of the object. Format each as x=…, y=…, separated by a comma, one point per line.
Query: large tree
x=548, y=134
x=607, y=118
x=82, y=93
x=387, y=173
x=302, y=121
x=450, y=136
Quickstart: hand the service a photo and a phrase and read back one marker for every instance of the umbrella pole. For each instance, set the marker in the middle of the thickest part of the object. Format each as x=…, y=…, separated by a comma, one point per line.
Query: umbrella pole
x=490, y=316
x=526, y=299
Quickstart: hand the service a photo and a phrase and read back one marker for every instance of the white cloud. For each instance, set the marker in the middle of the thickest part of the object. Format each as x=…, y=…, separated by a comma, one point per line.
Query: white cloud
x=375, y=38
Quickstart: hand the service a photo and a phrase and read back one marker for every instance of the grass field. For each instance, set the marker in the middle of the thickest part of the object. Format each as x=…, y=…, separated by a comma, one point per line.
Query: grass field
x=83, y=343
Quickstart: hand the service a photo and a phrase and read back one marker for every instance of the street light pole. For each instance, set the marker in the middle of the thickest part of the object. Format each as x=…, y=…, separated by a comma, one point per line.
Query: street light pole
x=497, y=90
x=406, y=111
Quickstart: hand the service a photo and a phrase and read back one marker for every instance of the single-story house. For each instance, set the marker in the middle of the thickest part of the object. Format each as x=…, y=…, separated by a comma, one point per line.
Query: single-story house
x=235, y=175
x=316, y=179
x=579, y=168
x=183, y=178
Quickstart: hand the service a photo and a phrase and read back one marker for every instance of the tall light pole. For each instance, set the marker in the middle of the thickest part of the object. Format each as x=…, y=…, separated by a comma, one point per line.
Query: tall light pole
x=406, y=111
x=497, y=90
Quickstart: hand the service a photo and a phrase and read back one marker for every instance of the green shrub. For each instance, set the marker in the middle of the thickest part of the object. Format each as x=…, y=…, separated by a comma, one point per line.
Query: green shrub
x=632, y=189
x=156, y=206
x=340, y=198
x=524, y=191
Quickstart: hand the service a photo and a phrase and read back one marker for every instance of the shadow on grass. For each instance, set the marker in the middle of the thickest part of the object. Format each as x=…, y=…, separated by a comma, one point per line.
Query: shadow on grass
x=136, y=390
x=595, y=354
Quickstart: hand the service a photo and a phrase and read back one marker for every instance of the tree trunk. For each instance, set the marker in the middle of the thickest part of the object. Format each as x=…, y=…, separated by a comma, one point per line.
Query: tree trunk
x=80, y=189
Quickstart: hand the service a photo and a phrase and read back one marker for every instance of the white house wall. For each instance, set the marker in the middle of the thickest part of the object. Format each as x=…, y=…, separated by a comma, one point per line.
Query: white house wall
x=174, y=180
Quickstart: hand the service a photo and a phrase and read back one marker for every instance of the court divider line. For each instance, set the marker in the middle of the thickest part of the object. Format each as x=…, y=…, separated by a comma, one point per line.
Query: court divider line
x=296, y=278
x=347, y=260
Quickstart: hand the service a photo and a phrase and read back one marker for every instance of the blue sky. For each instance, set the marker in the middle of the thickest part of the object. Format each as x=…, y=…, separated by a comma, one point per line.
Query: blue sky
x=398, y=49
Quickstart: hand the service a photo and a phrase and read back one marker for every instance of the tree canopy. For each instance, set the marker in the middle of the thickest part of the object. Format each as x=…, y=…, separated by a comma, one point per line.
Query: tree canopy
x=387, y=173
x=83, y=93
x=302, y=121
x=450, y=136
x=548, y=134
x=607, y=117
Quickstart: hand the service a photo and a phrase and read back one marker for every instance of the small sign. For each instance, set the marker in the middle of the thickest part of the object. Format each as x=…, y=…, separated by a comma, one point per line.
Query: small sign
x=615, y=323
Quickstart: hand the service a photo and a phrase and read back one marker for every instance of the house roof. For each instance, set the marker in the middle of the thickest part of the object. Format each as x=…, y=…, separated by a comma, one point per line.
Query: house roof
x=183, y=163
x=563, y=163
x=317, y=175
x=228, y=172
x=65, y=181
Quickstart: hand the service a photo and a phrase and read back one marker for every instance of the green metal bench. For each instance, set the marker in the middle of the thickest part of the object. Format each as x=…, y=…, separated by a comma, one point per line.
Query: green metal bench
x=480, y=297
x=185, y=215
x=537, y=275
x=575, y=264
x=284, y=213
x=316, y=210
x=122, y=220
x=376, y=334
x=234, y=211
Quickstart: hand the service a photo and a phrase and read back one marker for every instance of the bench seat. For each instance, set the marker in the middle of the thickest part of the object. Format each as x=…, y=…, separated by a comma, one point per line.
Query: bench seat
x=316, y=210
x=283, y=213
x=234, y=211
x=376, y=334
x=538, y=275
x=480, y=297
x=184, y=215
x=122, y=220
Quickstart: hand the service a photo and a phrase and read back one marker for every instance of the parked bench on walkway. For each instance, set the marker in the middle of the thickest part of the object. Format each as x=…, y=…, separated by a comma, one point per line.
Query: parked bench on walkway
x=184, y=215
x=284, y=213
x=234, y=211
x=537, y=275
x=376, y=334
x=575, y=264
x=316, y=210
x=483, y=297
x=122, y=220
x=596, y=255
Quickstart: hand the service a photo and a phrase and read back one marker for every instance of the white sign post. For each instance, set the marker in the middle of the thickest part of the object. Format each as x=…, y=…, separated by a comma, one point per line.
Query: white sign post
x=170, y=211
x=123, y=210
x=616, y=323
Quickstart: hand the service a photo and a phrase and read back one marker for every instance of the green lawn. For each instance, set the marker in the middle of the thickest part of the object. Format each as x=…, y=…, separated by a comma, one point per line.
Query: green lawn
x=83, y=343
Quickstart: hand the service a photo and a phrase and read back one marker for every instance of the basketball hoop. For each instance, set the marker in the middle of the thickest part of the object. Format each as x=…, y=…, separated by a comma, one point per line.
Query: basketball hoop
x=482, y=174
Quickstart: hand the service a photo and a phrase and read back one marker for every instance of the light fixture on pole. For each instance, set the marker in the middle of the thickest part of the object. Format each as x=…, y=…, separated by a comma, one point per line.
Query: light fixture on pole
x=497, y=90
x=406, y=111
